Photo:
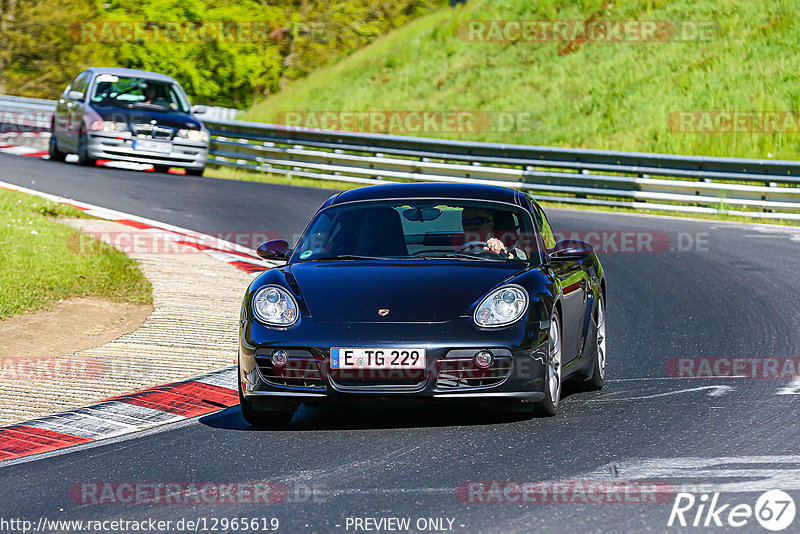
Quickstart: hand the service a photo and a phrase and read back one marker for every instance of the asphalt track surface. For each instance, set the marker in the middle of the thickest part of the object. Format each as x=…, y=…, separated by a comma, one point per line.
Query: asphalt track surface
x=735, y=295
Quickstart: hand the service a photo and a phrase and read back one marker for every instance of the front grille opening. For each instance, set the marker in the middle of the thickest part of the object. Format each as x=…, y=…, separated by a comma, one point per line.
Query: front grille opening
x=388, y=380
x=149, y=131
x=302, y=370
x=461, y=373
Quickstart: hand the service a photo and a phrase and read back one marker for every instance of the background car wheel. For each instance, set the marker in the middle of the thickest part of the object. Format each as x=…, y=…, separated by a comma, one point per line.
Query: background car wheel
x=598, y=377
x=262, y=418
x=195, y=172
x=83, y=150
x=53, y=151
x=549, y=406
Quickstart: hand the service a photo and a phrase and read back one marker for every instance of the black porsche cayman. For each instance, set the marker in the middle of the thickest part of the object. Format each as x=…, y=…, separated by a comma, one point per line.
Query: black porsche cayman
x=432, y=291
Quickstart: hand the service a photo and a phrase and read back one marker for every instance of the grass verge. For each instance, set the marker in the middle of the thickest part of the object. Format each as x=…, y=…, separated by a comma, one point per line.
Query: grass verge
x=38, y=268
x=599, y=94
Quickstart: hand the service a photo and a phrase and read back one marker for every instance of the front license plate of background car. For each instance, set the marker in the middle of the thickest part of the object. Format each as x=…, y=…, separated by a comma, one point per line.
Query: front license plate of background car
x=153, y=146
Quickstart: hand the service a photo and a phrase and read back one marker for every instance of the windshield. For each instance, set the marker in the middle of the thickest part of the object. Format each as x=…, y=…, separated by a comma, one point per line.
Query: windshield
x=121, y=91
x=420, y=229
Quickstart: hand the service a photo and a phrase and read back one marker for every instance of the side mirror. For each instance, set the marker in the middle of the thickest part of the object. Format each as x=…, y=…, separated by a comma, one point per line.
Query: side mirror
x=75, y=95
x=199, y=110
x=571, y=249
x=277, y=249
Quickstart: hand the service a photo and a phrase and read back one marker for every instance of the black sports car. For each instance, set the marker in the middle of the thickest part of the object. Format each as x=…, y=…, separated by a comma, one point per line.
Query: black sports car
x=432, y=291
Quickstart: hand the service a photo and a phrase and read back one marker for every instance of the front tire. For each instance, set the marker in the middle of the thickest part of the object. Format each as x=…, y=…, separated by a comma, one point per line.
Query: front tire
x=195, y=172
x=552, y=387
x=260, y=418
x=83, y=150
x=598, y=377
x=53, y=151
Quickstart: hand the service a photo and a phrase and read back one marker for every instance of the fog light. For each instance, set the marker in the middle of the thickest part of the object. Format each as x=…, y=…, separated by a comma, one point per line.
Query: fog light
x=484, y=359
x=280, y=358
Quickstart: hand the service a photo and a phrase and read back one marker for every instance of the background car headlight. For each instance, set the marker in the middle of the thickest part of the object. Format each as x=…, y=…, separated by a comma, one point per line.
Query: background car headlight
x=273, y=305
x=200, y=136
x=109, y=126
x=502, y=307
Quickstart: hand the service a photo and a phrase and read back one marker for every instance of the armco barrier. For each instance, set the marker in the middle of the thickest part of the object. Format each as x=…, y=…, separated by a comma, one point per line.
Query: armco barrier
x=768, y=189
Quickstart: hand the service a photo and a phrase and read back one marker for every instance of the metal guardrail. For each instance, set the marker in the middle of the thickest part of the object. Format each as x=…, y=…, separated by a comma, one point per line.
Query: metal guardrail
x=768, y=189
x=664, y=182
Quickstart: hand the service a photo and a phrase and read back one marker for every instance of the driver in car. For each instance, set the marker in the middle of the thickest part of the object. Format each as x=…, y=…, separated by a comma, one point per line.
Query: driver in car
x=151, y=96
x=480, y=222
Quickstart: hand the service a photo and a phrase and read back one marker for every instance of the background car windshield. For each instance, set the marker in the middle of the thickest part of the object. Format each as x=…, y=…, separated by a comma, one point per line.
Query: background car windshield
x=128, y=92
x=419, y=229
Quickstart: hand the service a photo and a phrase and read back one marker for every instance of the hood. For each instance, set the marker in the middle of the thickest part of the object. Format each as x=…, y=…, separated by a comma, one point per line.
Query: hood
x=413, y=292
x=175, y=119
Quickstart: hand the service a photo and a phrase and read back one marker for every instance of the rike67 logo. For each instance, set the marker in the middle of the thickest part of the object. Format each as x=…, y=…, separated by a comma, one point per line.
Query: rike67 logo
x=774, y=510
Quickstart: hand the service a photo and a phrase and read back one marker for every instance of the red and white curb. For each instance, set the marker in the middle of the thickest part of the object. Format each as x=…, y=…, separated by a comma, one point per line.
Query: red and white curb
x=155, y=406
x=125, y=414
x=18, y=150
x=234, y=254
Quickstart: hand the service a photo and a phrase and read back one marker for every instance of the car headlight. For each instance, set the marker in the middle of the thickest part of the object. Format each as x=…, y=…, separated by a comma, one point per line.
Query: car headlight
x=198, y=136
x=273, y=305
x=109, y=126
x=502, y=307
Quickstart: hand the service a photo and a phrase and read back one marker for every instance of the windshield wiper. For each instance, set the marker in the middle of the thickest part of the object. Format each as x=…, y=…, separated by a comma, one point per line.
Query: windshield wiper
x=457, y=255
x=345, y=257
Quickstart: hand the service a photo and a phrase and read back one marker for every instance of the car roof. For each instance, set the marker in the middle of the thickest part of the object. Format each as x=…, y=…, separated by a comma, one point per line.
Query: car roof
x=132, y=73
x=429, y=190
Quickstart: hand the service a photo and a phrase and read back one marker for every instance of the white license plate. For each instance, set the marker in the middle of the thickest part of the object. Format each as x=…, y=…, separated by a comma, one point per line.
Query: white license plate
x=378, y=358
x=152, y=146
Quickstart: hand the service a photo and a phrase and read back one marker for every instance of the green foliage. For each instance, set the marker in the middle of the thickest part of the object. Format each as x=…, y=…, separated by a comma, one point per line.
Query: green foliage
x=602, y=95
x=38, y=57
x=213, y=71
x=45, y=43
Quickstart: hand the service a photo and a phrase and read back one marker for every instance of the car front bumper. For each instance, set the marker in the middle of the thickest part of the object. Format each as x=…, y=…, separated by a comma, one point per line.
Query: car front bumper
x=183, y=153
x=517, y=373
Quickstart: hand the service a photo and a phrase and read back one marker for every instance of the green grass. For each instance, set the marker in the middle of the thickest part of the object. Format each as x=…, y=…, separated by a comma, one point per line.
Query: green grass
x=38, y=266
x=615, y=96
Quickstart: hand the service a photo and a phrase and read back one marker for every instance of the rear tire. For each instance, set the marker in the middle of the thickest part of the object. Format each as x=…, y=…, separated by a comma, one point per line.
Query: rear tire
x=598, y=378
x=53, y=151
x=552, y=387
x=260, y=418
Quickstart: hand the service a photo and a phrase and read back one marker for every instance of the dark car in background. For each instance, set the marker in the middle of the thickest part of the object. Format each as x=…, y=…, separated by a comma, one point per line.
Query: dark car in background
x=428, y=291
x=128, y=115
